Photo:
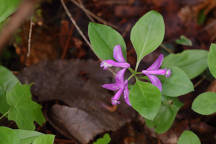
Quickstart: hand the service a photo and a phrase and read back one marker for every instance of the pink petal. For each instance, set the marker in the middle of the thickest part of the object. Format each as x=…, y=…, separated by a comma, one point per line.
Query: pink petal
x=126, y=95
x=155, y=81
x=116, y=97
x=155, y=72
x=120, y=77
x=117, y=54
x=157, y=63
x=109, y=63
x=112, y=87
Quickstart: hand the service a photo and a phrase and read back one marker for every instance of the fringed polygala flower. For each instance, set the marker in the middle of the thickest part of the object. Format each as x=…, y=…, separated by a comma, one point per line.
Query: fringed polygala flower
x=118, y=56
x=154, y=70
x=121, y=85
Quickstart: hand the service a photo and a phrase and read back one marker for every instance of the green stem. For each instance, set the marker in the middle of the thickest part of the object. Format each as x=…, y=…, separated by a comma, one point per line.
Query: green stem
x=130, y=77
x=4, y=115
x=167, y=49
x=131, y=70
x=139, y=73
x=137, y=66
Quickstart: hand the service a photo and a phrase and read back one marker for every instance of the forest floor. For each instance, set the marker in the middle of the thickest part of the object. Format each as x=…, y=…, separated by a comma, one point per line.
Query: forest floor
x=55, y=38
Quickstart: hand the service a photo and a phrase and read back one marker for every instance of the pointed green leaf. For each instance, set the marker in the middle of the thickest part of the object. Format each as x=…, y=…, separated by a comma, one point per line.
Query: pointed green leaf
x=212, y=59
x=7, y=81
x=147, y=34
x=4, y=107
x=145, y=98
x=7, y=7
x=192, y=62
x=23, y=110
x=188, y=137
x=183, y=40
x=166, y=115
x=103, y=39
x=26, y=136
x=44, y=139
x=8, y=136
x=177, y=84
x=104, y=140
x=18, y=136
x=205, y=103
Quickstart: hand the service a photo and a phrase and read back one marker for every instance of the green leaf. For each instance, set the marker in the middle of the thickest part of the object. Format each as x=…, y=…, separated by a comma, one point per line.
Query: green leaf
x=8, y=136
x=4, y=107
x=7, y=7
x=188, y=137
x=145, y=98
x=26, y=136
x=103, y=39
x=7, y=78
x=44, y=139
x=23, y=110
x=18, y=136
x=192, y=62
x=212, y=59
x=104, y=140
x=183, y=40
x=147, y=34
x=166, y=115
x=177, y=84
x=205, y=103
x=7, y=81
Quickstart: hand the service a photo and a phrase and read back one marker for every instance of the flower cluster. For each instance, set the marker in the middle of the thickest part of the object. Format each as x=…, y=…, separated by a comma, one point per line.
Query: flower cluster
x=121, y=85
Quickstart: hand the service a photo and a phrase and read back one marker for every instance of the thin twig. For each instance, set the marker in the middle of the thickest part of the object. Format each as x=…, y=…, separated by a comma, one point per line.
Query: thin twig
x=75, y=24
x=29, y=37
x=199, y=82
x=67, y=42
x=79, y=30
x=81, y=4
x=92, y=14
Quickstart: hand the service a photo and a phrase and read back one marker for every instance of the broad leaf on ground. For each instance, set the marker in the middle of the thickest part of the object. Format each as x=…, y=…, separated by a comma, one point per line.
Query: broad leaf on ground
x=188, y=137
x=7, y=78
x=103, y=39
x=8, y=136
x=177, y=84
x=205, y=103
x=192, y=62
x=147, y=34
x=212, y=59
x=7, y=81
x=44, y=139
x=145, y=98
x=166, y=115
x=26, y=136
x=23, y=110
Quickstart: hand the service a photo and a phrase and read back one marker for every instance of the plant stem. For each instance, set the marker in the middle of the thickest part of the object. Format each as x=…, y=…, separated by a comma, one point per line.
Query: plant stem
x=130, y=77
x=4, y=115
x=167, y=49
x=137, y=66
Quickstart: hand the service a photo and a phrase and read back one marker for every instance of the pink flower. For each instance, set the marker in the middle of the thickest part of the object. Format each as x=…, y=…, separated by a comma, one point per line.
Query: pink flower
x=118, y=56
x=154, y=70
x=121, y=85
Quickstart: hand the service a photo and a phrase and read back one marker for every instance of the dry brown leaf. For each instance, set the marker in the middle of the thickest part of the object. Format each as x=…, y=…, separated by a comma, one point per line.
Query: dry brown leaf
x=78, y=85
